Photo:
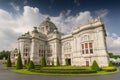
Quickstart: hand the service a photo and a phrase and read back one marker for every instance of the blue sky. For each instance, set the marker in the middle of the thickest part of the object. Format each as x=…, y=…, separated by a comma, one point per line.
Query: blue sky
x=19, y=16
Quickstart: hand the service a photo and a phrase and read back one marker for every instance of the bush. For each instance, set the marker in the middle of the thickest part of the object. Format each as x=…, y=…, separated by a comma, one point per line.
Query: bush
x=111, y=64
x=109, y=69
x=27, y=65
x=67, y=63
x=19, y=62
x=53, y=62
x=8, y=64
x=58, y=62
x=43, y=63
x=65, y=71
x=95, y=66
x=31, y=65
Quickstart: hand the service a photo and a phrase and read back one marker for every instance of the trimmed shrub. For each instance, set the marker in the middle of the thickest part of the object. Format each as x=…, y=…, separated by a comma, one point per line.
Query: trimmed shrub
x=28, y=60
x=109, y=69
x=58, y=62
x=27, y=65
x=43, y=63
x=53, y=62
x=31, y=65
x=8, y=64
x=111, y=64
x=65, y=71
x=19, y=62
x=95, y=66
x=67, y=63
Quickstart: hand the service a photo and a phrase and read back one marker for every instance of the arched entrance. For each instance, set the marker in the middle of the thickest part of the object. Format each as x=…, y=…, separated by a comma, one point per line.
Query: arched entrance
x=68, y=61
x=25, y=62
x=87, y=63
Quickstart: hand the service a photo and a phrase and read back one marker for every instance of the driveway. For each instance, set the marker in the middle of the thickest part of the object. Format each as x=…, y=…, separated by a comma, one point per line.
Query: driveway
x=8, y=75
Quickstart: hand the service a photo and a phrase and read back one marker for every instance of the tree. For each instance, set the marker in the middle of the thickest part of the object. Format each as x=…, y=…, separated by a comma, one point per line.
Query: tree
x=8, y=61
x=19, y=62
x=95, y=66
x=43, y=63
x=67, y=63
x=31, y=65
x=4, y=54
x=111, y=64
x=28, y=60
x=58, y=63
x=53, y=62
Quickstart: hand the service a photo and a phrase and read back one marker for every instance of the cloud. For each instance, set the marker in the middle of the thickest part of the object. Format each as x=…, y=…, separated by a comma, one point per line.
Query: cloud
x=16, y=7
x=13, y=25
x=66, y=23
x=102, y=13
x=113, y=43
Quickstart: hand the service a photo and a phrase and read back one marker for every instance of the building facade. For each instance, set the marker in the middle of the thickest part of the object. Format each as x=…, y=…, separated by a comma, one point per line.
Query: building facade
x=81, y=47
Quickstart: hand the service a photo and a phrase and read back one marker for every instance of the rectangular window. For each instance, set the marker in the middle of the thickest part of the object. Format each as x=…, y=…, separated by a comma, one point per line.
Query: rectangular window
x=82, y=51
x=90, y=45
x=82, y=46
x=39, y=51
x=91, y=50
x=26, y=50
x=86, y=45
x=26, y=54
x=86, y=51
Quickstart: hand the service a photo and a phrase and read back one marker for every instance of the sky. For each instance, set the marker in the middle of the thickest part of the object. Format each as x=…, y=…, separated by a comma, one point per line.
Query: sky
x=20, y=16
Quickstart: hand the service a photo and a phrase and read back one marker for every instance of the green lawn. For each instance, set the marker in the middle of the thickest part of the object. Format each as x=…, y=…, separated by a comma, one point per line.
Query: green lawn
x=25, y=71
x=67, y=67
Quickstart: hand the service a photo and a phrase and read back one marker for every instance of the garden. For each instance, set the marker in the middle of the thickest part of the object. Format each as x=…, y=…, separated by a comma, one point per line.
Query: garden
x=58, y=69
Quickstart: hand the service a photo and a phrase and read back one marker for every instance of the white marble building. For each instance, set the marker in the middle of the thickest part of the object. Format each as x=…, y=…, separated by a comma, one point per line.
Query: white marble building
x=81, y=47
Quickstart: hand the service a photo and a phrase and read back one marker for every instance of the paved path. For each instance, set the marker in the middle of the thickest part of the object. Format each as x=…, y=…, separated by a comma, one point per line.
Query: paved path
x=8, y=75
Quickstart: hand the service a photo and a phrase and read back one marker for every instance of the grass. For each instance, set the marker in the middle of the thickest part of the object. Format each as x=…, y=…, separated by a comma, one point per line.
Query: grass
x=25, y=71
x=67, y=67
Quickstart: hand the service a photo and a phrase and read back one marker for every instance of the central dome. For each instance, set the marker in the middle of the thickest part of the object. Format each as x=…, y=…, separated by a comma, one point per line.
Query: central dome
x=47, y=26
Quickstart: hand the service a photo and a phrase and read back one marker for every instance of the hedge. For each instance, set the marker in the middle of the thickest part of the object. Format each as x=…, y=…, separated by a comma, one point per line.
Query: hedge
x=65, y=71
x=109, y=69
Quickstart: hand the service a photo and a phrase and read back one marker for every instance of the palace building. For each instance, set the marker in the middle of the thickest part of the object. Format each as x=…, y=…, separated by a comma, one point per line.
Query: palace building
x=81, y=47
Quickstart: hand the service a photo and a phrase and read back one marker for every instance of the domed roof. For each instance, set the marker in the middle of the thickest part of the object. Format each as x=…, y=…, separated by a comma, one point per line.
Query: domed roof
x=48, y=23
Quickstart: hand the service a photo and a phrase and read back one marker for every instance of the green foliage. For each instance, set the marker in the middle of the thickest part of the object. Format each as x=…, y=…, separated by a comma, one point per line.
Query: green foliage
x=64, y=71
x=109, y=69
x=58, y=62
x=31, y=65
x=28, y=60
x=67, y=63
x=111, y=55
x=8, y=64
x=53, y=62
x=43, y=63
x=19, y=62
x=4, y=54
x=67, y=67
x=95, y=66
x=27, y=65
x=111, y=64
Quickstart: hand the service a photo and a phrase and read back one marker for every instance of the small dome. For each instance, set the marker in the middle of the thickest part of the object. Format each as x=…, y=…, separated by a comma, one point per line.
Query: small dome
x=48, y=23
